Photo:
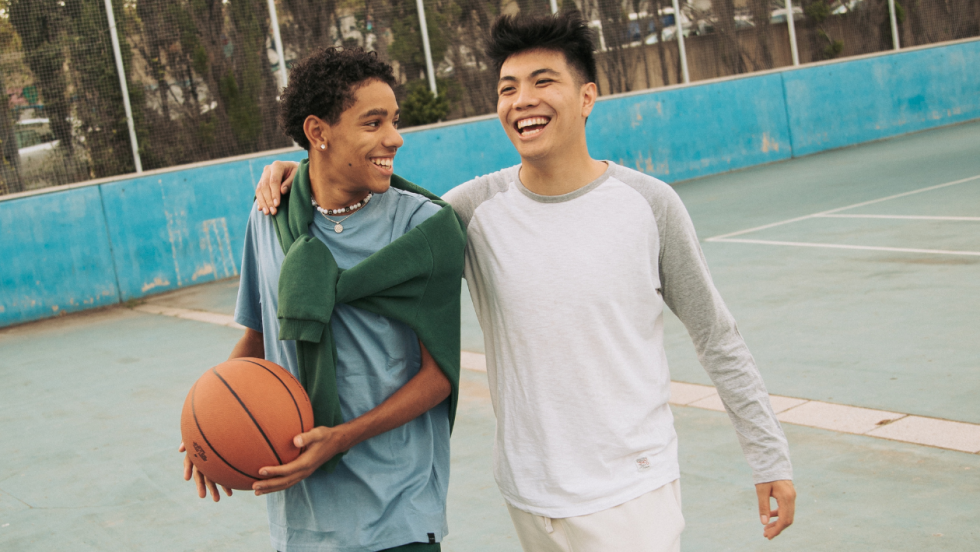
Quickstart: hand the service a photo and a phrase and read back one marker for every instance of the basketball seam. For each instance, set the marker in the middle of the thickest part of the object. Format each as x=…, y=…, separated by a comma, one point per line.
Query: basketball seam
x=205, y=437
x=299, y=413
x=247, y=411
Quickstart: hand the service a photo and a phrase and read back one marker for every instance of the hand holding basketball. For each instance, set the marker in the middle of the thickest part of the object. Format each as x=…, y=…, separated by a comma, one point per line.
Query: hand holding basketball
x=319, y=445
x=241, y=415
x=203, y=483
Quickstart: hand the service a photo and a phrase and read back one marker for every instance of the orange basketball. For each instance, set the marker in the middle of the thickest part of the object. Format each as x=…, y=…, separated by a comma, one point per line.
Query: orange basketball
x=242, y=415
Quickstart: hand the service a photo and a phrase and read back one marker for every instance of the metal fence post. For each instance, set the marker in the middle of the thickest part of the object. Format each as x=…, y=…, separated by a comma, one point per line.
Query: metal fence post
x=680, y=42
x=277, y=38
x=791, y=21
x=122, y=84
x=894, y=20
x=428, y=50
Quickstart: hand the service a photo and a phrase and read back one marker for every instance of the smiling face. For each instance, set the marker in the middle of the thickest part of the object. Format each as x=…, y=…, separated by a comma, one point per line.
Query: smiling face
x=542, y=105
x=360, y=148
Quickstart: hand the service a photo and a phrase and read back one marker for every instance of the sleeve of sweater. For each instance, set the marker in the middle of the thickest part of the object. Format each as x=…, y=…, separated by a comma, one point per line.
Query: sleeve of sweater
x=689, y=292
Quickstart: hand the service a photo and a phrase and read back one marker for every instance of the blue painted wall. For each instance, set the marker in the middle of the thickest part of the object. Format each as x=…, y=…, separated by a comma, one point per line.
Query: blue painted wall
x=443, y=157
x=696, y=131
x=55, y=256
x=62, y=251
x=842, y=104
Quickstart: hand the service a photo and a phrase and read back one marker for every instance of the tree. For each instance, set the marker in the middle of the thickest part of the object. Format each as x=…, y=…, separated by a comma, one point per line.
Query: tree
x=760, y=10
x=421, y=106
x=40, y=24
x=731, y=50
x=101, y=114
x=10, y=181
x=9, y=157
x=621, y=59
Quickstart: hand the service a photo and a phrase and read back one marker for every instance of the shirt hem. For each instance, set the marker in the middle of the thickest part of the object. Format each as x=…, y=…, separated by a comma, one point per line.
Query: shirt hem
x=597, y=505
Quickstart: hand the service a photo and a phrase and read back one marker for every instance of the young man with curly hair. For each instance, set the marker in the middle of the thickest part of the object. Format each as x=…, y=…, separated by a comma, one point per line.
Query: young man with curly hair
x=354, y=287
x=570, y=261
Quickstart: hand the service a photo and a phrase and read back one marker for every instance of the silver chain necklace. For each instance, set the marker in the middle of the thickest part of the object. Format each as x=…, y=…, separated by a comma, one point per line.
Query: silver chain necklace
x=352, y=209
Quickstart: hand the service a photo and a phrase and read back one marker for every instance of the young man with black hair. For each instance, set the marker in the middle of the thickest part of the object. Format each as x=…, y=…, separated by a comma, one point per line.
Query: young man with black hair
x=354, y=288
x=570, y=262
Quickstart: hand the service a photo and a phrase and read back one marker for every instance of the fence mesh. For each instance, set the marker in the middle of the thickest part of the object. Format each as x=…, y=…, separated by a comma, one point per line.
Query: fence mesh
x=203, y=75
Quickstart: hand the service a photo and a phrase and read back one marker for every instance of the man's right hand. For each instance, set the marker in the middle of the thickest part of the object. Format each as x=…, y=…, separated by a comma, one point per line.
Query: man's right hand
x=203, y=483
x=276, y=181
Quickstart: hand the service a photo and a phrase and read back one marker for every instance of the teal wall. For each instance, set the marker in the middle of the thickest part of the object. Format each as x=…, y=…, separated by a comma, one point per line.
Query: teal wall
x=101, y=244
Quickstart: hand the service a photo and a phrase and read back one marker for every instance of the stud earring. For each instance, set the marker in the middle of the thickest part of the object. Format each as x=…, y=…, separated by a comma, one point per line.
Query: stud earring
x=323, y=146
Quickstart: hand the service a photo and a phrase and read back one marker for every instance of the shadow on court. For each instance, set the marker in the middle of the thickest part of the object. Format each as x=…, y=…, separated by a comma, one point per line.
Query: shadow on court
x=867, y=310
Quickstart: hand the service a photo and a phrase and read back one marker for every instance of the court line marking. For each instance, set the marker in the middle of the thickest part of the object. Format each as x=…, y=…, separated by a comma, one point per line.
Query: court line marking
x=856, y=420
x=846, y=207
x=903, y=217
x=844, y=246
x=188, y=314
x=917, y=430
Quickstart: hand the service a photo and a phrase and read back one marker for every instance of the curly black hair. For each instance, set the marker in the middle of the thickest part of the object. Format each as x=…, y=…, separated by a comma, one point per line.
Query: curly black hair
x=323, y=84
x=564, y=32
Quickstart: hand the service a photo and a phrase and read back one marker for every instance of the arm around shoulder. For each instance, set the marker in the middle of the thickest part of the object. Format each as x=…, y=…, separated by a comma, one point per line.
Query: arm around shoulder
x=276, y=180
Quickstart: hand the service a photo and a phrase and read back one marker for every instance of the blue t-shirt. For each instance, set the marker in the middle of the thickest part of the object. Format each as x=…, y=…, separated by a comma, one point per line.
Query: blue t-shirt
x=391, y=489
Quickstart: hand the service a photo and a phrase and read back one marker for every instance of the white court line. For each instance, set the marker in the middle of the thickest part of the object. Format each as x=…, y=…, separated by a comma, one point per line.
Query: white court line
x=894, y=426
x=904, y=217
x=842, y=246
x=855, y=205
x=946, y=434
x=187, y=314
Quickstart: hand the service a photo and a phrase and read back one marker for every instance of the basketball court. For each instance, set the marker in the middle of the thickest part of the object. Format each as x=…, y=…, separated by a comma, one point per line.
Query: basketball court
x=854, y=276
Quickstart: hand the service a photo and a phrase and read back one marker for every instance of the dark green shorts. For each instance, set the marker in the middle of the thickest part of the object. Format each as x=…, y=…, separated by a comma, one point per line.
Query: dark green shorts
x=415, y=547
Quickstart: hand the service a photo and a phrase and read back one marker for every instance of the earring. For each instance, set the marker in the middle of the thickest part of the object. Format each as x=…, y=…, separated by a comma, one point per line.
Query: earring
x=323, y=146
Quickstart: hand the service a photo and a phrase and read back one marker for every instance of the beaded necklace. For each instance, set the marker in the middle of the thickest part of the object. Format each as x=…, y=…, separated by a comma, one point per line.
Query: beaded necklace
x=327, y=213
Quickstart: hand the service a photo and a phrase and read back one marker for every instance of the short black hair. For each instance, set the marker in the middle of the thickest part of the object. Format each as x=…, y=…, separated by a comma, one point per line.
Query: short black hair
x=323, y=84
x=564, y=32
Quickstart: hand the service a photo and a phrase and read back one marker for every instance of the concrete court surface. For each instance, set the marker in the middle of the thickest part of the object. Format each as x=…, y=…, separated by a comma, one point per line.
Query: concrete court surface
x=90, y=407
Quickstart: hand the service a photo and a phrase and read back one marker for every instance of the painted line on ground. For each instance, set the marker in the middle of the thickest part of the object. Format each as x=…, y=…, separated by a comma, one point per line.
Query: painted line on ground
x=901, y=217
x=188, y=314
x=843, y=246
x=846, y=207
x=895, y=426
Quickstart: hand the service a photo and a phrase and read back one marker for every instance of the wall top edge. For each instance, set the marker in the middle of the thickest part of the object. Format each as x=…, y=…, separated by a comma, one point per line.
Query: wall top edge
x=147, y=174
x=478, y=118
x=788, y=69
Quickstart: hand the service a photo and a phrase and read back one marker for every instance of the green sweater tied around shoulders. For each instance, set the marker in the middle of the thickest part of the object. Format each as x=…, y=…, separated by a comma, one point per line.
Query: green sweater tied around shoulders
x=415, y=279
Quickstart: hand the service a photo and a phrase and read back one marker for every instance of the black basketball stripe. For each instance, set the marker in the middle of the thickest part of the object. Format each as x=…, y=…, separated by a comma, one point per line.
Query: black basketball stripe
x=205, y=437
x=266, y=368
x=247, y=411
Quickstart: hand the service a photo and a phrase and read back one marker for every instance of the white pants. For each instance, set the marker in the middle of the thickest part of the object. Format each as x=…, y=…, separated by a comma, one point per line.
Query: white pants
x=650, y=523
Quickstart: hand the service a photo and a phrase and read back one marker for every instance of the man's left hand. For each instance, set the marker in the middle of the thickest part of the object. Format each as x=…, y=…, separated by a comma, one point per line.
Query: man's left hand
x=785, y=496
x=321, y=444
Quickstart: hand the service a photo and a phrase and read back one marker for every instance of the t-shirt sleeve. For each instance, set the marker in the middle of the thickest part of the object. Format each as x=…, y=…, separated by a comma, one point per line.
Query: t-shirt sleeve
x=425, y=210
x=690, y=293
x=248, y=309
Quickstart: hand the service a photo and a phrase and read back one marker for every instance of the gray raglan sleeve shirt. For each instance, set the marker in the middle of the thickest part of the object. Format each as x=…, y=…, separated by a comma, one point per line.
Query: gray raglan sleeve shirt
x=690, y=294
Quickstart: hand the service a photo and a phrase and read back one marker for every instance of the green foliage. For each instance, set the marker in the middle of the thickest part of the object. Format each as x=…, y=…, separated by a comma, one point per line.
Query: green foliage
x=407, y=49
x=899, y=13
x=40, y=25
x=245, y=119
x=93, y=65
x=817, y=11
x=240, y=91
x=421, y=107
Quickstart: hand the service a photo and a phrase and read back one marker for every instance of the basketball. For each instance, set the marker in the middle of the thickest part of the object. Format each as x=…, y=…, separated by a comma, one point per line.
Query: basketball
x=242, y=415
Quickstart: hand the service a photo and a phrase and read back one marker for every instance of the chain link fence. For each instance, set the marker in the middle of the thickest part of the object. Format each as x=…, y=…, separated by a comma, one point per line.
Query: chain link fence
x=203, y=76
